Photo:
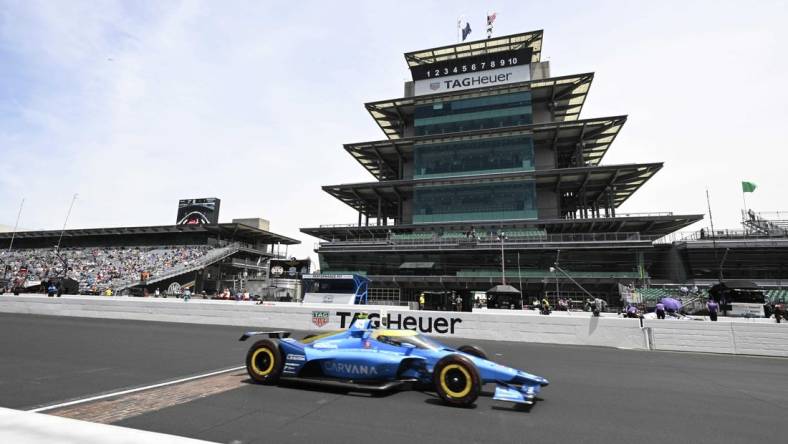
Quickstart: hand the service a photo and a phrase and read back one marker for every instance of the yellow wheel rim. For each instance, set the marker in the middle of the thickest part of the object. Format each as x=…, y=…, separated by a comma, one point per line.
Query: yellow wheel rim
x=255, y=368
x=444, y=376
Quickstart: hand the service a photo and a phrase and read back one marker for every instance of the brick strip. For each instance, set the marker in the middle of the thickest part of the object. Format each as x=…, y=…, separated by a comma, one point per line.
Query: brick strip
x=107, y=411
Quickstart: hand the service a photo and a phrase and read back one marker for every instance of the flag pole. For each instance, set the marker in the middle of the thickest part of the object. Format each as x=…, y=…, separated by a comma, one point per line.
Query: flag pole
x=711, y=220
x=744, y=199
x=16, y=225
x=57, y=248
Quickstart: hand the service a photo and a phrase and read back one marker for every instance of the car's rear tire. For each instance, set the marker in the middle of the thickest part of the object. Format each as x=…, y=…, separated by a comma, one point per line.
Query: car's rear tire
x=456, y=380
x=473, y=350
x=264, y=362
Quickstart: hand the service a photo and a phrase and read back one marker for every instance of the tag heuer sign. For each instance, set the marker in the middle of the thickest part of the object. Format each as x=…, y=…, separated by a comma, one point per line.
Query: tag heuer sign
x=320, y=318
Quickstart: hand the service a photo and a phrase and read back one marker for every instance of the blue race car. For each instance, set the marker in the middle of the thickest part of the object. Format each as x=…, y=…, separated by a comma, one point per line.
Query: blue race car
x=363, y=358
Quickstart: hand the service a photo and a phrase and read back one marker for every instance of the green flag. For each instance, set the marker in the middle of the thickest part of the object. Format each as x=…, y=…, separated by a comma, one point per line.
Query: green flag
x=748, y=187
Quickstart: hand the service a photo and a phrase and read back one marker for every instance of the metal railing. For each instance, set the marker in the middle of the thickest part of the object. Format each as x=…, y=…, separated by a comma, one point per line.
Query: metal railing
x=765, y=222
x=212, y=256
x=602, y=216
x=719, y=235
x=485, y=241
x=645, y=214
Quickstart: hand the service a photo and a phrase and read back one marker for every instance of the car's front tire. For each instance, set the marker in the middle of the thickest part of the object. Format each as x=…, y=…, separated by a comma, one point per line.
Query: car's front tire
x=264, y=362
x=457, y=380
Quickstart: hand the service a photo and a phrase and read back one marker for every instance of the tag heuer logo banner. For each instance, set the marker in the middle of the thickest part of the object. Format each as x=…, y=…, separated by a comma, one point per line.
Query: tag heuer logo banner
x=320, y=318
x=517, y=73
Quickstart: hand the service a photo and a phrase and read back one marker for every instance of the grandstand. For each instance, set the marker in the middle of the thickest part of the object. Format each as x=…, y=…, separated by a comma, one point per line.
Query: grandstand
x=207, y=257
x=758, y=253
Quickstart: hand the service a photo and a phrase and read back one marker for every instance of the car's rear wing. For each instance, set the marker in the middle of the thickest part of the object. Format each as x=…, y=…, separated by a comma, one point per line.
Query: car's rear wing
x=276, y=334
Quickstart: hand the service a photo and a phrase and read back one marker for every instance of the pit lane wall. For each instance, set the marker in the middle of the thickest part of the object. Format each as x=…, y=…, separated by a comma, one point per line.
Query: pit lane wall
x=755, y=337
x=761, y=337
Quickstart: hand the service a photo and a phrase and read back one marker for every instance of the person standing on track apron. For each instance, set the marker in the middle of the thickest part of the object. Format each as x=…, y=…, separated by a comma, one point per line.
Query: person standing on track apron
x=713, y=309
x=660, y=310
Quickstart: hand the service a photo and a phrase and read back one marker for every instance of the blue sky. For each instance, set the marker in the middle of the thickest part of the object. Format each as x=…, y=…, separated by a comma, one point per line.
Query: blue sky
x=134, y=105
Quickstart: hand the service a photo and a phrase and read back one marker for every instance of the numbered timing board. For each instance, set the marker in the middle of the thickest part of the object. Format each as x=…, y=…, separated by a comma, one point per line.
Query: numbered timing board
x=471, y=64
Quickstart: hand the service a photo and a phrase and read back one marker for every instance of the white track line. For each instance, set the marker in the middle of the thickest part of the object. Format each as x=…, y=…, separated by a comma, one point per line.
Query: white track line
x=134, y=390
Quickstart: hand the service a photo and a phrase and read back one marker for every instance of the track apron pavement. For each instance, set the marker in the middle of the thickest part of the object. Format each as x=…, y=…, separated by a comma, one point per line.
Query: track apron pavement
x=48, y=359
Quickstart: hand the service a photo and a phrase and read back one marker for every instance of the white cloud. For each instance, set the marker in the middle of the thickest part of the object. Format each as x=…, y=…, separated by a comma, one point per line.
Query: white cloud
x=135, y=105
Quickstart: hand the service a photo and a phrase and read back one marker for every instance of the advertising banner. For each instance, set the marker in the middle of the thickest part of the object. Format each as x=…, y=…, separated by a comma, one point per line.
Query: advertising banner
x=458, y=82
x=289, y=268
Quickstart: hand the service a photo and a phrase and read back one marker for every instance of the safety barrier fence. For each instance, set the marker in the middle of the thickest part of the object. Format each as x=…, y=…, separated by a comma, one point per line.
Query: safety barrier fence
x=735, y=336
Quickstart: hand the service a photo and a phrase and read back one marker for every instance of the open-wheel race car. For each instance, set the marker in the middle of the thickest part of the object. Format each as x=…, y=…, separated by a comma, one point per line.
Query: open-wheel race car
x=362, y=358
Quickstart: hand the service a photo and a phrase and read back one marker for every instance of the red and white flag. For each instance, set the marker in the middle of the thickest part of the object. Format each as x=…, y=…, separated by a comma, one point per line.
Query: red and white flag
x=490, y=20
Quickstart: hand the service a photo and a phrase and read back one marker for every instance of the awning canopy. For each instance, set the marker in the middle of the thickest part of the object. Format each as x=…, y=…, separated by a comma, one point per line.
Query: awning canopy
x=564, y=96
x=503, y=289
x=594, y=181
x=646, y=224
x=416, y=265
x=591, y=137
x=531, y=39
x=226, y=230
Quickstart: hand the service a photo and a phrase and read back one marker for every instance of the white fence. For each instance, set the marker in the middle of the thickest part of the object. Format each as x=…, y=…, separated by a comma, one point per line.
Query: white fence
x=727, y=336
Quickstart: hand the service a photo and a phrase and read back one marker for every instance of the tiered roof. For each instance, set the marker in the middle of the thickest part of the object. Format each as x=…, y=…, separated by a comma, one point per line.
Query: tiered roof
x=593, y=136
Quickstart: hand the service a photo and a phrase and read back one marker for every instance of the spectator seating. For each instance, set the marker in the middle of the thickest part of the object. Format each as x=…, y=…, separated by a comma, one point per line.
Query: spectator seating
x=777, y=296
x=412, y=236
x=97, y=268
x=454, y=235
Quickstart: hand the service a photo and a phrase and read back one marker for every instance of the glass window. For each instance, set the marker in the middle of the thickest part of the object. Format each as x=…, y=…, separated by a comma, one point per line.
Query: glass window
x=490, y=201
x=330, y=286
x=499, y=155
x=474, y=114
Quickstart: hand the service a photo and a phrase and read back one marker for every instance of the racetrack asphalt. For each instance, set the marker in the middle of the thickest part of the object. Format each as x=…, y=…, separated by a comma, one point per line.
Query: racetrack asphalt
x=48, y=359
x=596, y=394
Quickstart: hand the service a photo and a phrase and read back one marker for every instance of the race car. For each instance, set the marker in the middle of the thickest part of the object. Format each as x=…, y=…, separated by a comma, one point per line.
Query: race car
x=363, y=358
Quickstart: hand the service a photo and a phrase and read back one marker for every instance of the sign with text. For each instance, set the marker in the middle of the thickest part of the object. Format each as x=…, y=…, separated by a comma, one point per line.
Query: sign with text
x=472, y=64
x=289, y=268
x=512, y=74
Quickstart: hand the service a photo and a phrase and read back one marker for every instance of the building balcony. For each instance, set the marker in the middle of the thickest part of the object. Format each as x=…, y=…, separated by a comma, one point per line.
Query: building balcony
x=517, y=239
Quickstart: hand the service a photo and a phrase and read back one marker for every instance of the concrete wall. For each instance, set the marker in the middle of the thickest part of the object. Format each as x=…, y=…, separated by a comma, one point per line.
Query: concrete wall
x=540, y=70
x=763, y=337
x=735, y=336
x=541, y=113
x=624, y=333
x=547, y=203
x=19, y=427
x=544, y=158
x=254, y=222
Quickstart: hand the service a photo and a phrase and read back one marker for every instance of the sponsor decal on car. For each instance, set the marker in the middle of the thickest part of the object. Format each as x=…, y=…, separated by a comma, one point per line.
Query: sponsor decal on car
x=320, y=318
x=350, y=369
x=292, y=357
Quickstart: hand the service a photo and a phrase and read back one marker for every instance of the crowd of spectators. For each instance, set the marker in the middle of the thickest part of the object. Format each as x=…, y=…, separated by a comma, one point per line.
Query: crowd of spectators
x=95, y=269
